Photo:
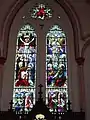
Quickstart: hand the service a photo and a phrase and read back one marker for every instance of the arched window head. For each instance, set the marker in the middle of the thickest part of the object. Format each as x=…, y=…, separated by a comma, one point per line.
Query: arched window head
x=56, y=69
x=25, y=69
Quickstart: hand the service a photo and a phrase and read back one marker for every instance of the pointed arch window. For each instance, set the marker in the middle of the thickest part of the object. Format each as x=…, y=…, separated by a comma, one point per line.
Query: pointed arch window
x=56, y=69
x=25, y=69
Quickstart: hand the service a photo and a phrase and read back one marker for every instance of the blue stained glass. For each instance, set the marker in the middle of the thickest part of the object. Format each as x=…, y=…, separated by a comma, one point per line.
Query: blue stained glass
x=26, y=57
x=23, y=100
x=25, y=67
x=56, y=64
x=56, y=58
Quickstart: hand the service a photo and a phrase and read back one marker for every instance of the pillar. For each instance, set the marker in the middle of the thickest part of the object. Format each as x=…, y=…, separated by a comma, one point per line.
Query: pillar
x=80, y=62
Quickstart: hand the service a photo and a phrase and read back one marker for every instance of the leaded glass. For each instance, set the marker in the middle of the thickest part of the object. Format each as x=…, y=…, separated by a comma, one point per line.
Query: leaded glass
x=41, y=11
x=25, y=69
x=56, y=69
x=23, y=99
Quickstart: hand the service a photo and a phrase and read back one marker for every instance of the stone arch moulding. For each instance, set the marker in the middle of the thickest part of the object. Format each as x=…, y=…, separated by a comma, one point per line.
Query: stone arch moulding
x=85, y=46
x=69, y=10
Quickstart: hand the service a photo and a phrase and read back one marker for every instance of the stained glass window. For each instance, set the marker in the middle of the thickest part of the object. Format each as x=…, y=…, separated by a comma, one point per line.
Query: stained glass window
x=25, y=69
x=56, y=69
x=41, y=11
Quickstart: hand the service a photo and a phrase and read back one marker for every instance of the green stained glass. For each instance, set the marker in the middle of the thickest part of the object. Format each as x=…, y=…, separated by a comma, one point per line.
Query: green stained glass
x=56, y=66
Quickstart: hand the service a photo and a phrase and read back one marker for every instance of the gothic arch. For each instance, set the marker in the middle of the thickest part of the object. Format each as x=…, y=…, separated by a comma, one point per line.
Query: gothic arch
x=74, y=33
x=69, y=10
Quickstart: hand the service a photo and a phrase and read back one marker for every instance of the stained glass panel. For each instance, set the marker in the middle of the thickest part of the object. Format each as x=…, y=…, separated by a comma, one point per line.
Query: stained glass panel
x=23, y=99
x=56, y=69
x=41, y=11
x=25, y=69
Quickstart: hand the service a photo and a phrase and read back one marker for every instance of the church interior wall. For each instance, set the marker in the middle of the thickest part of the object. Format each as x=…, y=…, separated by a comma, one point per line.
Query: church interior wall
x=7, y=71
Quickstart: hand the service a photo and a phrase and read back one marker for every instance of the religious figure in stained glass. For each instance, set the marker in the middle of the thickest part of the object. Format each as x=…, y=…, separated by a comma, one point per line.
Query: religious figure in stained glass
x=57, y=99
x=22, y=78
x=23, y=100
x=56, y=68
x=25, y=69
x=41, y=12
x=26, y=57
x=56, y=56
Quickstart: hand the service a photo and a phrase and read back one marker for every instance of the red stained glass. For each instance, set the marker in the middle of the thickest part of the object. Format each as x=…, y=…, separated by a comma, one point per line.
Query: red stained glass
x=25, y=69
x=56, y=70
x=41, y=12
